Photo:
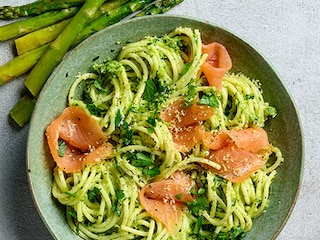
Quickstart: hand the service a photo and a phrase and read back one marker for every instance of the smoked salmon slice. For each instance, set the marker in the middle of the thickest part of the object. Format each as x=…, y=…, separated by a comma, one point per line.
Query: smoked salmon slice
x=185, y=123
x=84, y=141
x=236, y=164
x=179, y=116
x=165, y=200
x=217, y=63
x=239, y=152
x=187, y=137
x=250, y=139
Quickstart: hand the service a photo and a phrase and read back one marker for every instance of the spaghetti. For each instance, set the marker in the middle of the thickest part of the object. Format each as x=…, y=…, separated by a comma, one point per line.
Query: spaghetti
x=126, y=97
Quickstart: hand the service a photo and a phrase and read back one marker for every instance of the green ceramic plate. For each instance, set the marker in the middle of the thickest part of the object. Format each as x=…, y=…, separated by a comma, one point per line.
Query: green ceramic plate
x=284, y=131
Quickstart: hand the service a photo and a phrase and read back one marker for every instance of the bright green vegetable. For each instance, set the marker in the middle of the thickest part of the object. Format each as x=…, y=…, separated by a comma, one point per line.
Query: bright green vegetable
x=61, y=147
x=159, y=7
x=112, y=17
x=19, y=28
x=20, y=64
x=40, y=37
x=45, y=35
x=22, y=111
x=36, y=8
x=60, y=46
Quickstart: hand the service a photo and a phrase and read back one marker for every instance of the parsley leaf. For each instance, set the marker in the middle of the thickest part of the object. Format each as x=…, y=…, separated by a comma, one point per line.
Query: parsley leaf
x=209, y=100
x=94, y=195
x=153, y=123
x=118, y=197
x=198, y=226
x=133, y=109
x=142, y=160
x=128, y=133
x=118, y=118
x=192, y=90
x=151, y=172
x=155, y=93
x=61, y=147
x=186, y=67
x=73, y=214
x=128, y=137
x=120, y=194
x=198, y=204
x=150, y=90
x=94, y=110
x=178, y=196
x=98, y=85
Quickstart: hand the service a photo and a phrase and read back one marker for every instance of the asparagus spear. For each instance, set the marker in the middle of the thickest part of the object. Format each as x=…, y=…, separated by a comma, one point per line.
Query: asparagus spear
x=36, y=8
x=29, y=57
x=60, y=46
x=22, y=110
x=113, y=17
x=45, y=35
x=19, y=28
x=159, y=7
x=111, y=4
x=40, y=37
x=20, y=64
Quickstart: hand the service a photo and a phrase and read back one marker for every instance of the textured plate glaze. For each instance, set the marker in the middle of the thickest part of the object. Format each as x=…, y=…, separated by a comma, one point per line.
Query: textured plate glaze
x=284, y=131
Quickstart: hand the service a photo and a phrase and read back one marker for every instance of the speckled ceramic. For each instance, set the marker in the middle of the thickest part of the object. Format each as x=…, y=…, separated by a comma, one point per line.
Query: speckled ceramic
x=284, y=131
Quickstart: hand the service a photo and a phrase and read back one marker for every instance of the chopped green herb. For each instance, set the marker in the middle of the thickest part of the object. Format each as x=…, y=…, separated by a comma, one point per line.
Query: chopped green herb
x=118, y=118
x=270, y=112
x=209, y=99
x=61, y=147
x=178, y=196
x=199, y=204
x=198, y=226
x=107, y=66
x=72, y=213
x=120, y=194
x=192, y=90
x=199, y=192
x=94, y=110
x=94, y=195
x=152, y=121
x=125, y=125
x=71, y=194
x=98, y=85
x=186, y=67
x=234, y=202
x=116, y=209
x=155, y=93
x=150, y=90
x=249, y=96
x=134, y=109
x=128, y=137
x=128, y=133
x=141, y=160
x=151, y=172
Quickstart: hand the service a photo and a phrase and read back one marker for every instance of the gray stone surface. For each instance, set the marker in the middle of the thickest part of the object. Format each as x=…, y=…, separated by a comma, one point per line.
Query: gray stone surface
x=285, y=32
